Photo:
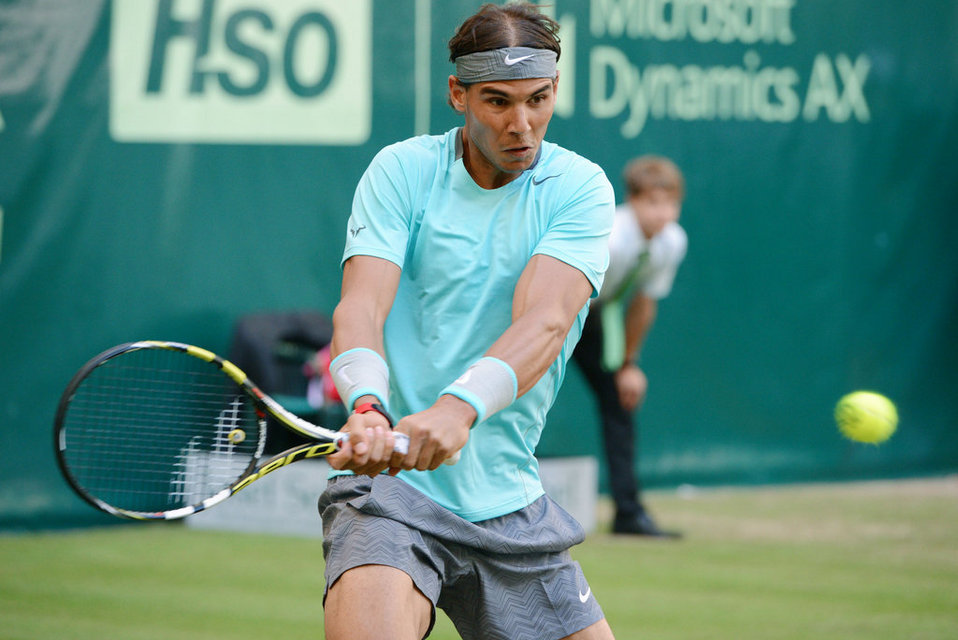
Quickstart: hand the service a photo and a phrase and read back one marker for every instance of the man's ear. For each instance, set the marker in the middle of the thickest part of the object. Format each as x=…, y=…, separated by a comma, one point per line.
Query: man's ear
x=457, y=94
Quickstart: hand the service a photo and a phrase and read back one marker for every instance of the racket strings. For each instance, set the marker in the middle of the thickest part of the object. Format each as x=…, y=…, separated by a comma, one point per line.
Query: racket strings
x=156, y=430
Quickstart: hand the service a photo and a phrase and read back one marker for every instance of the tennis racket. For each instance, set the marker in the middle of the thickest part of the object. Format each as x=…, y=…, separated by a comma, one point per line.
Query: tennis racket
x=161, y=430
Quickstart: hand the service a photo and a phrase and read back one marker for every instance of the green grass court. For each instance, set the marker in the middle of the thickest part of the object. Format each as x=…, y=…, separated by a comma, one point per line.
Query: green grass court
x=875, y=560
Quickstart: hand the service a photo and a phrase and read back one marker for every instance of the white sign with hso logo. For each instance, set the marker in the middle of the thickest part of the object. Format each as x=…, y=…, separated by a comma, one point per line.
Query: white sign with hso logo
x=241, y=71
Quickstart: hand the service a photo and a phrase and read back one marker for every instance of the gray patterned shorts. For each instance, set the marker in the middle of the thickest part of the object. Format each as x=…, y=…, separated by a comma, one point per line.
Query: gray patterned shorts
x=509, y=577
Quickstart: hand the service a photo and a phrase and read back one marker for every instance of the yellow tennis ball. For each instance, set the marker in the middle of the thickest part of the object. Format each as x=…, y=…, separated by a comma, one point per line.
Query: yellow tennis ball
x=865, y=416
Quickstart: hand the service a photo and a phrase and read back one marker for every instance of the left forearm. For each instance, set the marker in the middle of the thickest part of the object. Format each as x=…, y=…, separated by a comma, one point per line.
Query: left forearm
x=547, y=299
x=530, y=346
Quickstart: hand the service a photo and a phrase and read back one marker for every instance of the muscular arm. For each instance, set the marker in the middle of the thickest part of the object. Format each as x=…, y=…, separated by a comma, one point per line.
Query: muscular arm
x=368, y=290
x=548, y=296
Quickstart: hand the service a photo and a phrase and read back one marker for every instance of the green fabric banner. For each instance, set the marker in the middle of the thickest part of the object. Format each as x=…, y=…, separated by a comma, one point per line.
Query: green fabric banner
x=169, y=166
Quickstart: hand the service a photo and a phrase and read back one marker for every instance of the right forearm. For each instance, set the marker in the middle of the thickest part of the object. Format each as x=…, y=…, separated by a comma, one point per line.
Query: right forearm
x=358, y=366
x=355, y=327
x=369, y=287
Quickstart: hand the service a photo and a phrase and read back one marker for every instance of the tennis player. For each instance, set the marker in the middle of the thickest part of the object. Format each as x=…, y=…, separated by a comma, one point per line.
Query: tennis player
x=470, y=260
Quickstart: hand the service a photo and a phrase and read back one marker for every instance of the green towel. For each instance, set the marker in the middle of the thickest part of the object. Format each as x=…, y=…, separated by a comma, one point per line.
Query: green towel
x=613, y=319
x=613, y=335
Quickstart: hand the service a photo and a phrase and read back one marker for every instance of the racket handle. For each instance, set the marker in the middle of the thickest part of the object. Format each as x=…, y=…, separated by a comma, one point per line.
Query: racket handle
x=402, y=446
x=402, y=443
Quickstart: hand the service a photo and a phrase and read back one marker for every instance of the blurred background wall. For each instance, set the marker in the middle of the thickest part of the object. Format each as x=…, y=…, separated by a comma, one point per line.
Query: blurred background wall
x=168, y=166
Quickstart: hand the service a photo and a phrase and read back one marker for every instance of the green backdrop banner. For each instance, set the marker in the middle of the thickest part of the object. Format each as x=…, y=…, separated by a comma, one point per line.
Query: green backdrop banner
x=167, y=166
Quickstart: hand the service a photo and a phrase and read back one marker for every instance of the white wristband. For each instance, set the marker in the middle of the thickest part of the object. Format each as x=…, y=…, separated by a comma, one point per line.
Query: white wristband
x=489, y=385
x=360, y=372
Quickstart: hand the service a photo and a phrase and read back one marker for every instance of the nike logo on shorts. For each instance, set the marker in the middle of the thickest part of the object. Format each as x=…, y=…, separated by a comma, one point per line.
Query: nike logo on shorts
x=585, y=596
x=511, y=61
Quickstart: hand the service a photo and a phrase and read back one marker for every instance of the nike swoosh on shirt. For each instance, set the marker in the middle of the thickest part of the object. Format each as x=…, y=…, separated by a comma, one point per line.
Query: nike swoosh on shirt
x=538, y=182
x=511, y=61
x=585, y=596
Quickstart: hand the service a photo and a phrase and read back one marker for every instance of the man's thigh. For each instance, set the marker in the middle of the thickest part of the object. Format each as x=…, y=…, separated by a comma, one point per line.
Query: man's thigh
x=376, y=601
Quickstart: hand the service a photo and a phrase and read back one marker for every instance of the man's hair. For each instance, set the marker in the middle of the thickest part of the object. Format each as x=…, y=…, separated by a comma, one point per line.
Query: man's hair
x=517, y=24
x=654, y=172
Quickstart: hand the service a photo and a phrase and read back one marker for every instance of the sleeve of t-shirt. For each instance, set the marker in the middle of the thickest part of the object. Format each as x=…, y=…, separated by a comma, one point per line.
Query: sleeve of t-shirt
x=378, y=225
x=579, y=230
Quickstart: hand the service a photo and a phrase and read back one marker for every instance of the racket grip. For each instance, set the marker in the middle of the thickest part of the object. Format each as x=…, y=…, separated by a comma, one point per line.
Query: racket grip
x=402, y=443
x=402, y=446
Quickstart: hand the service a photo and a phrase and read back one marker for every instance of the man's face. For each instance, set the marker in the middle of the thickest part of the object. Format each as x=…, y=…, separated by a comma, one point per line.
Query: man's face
x=654, y=209
x=506, y=122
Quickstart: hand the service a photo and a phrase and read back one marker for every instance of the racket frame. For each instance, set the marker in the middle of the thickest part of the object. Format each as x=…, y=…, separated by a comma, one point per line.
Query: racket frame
x=328, y=441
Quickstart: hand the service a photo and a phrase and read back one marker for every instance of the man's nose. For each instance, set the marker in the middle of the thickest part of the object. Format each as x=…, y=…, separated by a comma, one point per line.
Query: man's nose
x=519, y=120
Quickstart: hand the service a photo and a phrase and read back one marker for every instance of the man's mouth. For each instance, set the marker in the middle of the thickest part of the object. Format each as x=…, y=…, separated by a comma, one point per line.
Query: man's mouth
x=518, y=152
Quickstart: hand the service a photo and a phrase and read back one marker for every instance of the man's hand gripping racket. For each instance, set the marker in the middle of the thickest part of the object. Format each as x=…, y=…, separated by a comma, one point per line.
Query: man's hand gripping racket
x=161, y=430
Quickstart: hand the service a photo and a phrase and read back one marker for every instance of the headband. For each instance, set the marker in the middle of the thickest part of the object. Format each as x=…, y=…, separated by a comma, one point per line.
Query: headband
x=511, y=63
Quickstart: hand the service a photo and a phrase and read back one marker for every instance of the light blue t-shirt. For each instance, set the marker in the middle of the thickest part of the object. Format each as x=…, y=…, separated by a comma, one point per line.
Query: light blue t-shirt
x=462, y=249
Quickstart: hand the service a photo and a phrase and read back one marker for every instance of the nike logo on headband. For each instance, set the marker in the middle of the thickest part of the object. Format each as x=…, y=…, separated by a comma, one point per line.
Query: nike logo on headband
x=511, y=61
